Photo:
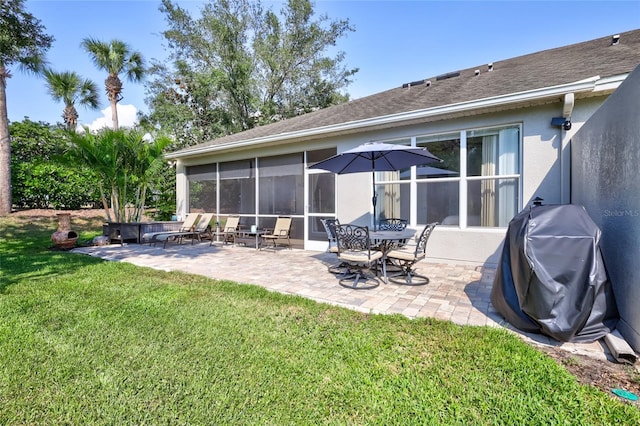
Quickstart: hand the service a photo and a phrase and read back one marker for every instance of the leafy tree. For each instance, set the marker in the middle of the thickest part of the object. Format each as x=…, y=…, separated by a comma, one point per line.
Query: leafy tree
x=115, y=57
x=183, y=108
x=296, y=77
x=70, y=88
x=125, y=165
x=23, y=42
x=31, y=140
x=238, y=66
x=163, y=193
x=42, y=179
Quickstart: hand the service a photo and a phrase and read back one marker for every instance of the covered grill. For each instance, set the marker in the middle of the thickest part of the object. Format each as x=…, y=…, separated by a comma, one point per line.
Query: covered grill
x=551, y=278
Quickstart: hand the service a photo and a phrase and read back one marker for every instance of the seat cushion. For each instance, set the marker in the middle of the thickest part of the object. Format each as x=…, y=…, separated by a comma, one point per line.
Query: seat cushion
x=360, y=256
x=407, y=255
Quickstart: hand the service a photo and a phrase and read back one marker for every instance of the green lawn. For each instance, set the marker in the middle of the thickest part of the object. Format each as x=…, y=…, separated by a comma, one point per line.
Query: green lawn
x=84, y=341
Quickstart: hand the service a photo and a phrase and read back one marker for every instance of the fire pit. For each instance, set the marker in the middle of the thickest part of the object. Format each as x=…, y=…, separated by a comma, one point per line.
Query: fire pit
x=64, y=238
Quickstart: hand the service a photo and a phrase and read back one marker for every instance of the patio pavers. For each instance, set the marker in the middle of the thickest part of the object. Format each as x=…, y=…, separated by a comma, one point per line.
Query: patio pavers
x=457, y=293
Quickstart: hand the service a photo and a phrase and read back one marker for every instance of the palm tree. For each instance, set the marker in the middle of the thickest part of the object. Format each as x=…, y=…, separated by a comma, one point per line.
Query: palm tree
x=124, y=163
x=23, y=43
x=115, y=57
x=69, y=88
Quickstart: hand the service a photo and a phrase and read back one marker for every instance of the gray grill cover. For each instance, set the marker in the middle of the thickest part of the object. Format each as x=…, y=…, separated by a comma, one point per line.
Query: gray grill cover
x=551, y=278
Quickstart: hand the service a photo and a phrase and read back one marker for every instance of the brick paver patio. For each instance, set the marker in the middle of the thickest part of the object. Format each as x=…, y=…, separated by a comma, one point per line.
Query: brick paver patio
x=456, y=293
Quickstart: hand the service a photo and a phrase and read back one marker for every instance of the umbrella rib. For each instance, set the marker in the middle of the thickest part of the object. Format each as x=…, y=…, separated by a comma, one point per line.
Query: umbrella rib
x=350, y=162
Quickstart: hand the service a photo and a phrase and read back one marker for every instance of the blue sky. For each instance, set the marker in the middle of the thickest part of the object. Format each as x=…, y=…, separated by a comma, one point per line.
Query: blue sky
x=394, y=42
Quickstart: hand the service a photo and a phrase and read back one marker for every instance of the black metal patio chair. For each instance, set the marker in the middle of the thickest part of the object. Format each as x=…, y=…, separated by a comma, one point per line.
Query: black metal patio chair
x=406, y=257
x=355, y=250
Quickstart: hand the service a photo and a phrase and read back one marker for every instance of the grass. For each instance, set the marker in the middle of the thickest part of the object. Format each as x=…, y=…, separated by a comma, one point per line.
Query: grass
x=84, y=341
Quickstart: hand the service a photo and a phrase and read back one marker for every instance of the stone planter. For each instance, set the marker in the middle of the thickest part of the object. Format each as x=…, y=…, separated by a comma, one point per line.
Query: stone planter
x=64, y=238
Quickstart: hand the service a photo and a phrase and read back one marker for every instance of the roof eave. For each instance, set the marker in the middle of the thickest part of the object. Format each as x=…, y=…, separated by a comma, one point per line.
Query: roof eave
x=591, y=84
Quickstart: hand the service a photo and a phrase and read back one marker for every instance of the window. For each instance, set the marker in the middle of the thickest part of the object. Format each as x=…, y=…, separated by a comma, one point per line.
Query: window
x=393, y=200
x=321, y=193
x=281, y=185
x=493, y=176
x=438, y=202
x=438, y=184
x=446, y=148
x=478, y=180
x=322, y=190
x=202, y=188
x=237, y=187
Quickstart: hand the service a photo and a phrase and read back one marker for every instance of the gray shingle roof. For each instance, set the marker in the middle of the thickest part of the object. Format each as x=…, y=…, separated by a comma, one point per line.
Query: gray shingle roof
x=538, y=70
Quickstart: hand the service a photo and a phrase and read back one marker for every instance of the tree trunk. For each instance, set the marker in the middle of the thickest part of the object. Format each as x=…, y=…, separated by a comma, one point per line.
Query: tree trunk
x=115, y=205
x=113, y=86
x=70, y=115
x=114, y=113
x=5, y=148
x=105, y=205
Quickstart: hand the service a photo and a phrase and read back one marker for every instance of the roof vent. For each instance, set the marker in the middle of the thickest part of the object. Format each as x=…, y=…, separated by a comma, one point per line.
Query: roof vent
x=448, y=75
x=615, y=39
x=490, y=66
x=477, y=72
x=413, y=83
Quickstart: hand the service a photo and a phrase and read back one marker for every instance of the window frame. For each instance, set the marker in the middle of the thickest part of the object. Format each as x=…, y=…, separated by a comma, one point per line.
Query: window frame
x=463, y=179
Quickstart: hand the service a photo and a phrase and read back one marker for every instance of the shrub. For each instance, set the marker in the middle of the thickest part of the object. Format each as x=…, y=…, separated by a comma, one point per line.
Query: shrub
x=40, y=177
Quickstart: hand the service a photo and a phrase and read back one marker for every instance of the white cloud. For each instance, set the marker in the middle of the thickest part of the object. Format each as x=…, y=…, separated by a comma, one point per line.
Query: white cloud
x=126, y=118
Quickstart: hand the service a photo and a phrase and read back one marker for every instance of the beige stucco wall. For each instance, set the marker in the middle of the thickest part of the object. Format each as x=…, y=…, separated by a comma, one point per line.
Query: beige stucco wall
x=545, y=171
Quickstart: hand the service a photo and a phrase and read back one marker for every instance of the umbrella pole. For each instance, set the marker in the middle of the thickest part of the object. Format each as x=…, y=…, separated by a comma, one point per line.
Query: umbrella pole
x=374, y=200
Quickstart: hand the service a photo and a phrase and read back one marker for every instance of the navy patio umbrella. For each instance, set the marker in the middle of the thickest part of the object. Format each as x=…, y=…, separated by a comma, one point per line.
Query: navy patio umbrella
x=376, y=157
